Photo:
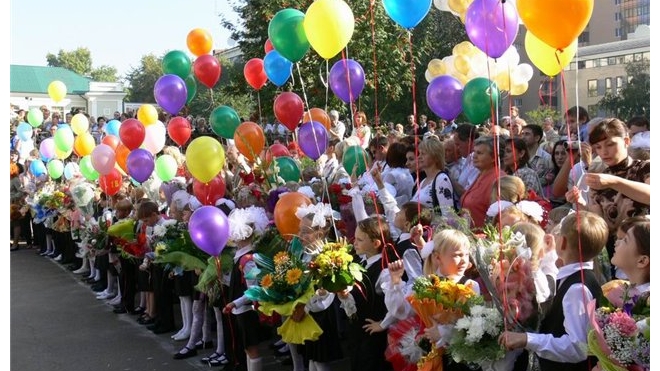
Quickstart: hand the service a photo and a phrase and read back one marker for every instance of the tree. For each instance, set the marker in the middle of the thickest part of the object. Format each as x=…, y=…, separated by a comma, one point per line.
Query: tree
x=538, y=115
x=104, y=74
x=635, y=98
x=80, y=62
x=141, y=79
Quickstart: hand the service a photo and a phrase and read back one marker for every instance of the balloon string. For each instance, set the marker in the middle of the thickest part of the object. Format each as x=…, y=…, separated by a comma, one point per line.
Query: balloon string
x=414, y=123
x=373, y=47
x=259, y=107
x=218, y=268
x=351, y=108
x=302, y=84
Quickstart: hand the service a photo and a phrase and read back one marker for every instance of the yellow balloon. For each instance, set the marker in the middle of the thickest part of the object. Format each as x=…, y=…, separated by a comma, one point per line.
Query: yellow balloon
x=63, y=155
x=463, y=48
x=205, y=157
x=147, y=114
x=79, y=123
x=519, y=89
x=84, y=144
x=329, y=26
x=456, y=6
x=547, y=58
x=462, y=64
x=503, y=81
x=437, y=67
x=56, y=91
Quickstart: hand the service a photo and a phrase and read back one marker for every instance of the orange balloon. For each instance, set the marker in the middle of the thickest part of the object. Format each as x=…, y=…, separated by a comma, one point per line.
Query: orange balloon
x=84, y=144
x=199, y=42
x=250, y=140
x=557, y=22
x=284, y=214
x=319, y=115
x=121, y=156
x=111, y=140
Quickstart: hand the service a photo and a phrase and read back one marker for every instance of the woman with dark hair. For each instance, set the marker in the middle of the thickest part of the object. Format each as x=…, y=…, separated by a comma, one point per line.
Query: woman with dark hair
x=397, y=174
x=561, y=152
x=515, y=162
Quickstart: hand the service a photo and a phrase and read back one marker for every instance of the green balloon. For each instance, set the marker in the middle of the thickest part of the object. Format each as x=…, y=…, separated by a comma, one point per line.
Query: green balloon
x=191, y=85
x=355, y=155
x=287, y=34
x=35, y=117
x=55, y=168
x=177, y=63
x=166, y=167
x=479, y=96
x=288, y=169
x=63, y=138
x=224, y=121
x=86, y=168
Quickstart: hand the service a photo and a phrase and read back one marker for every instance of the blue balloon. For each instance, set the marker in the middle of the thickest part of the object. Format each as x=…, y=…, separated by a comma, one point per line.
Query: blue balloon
x=24, y=131
x=37, y=168
x=278, y=69
x=112, y=127
x=407, y=13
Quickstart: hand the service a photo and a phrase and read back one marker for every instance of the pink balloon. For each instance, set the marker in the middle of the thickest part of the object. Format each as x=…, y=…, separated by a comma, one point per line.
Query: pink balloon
x=103, y=159
x=155, y=137
x=47, y=148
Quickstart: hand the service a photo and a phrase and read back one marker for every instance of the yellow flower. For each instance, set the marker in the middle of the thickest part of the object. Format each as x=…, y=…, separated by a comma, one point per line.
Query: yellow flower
x=160, y=248
x=266, y=281
x=281, y=258
x=293, y=276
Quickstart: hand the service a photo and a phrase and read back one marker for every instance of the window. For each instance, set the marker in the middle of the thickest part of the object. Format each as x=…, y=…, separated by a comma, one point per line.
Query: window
x=638, y=57
x=619, y=84
x=588, y=64
x=620, y=59
x=617, y=32
x=617, y=2
x=603, y=62
x=647, y=56
x=608, y=85
x=592, y=88
x=580, y=65
x=617, y=16
x=611, y=61
x=628, y=58
x=518, y=102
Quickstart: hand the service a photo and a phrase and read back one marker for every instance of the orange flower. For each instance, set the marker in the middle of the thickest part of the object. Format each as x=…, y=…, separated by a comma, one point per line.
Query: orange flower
x=281, y=258
x=293, y=276
x=267, y=281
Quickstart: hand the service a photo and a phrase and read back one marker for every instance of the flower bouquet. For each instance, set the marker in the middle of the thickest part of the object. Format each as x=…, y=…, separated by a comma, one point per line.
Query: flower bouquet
x=332, y=266
x=475, y=337
x=173, y=245
x=124, y=237
x=407, y=344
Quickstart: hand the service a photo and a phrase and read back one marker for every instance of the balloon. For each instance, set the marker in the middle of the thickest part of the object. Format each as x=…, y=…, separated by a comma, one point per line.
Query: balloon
x=63, y=155
x=209, y=229
x=274, y=151
x=407, y=13
x=132, y=133
x=140, y=164
x=87, y=168
x=63, y=138
x=545, y=56
x=254, y=73
x=176, y=63
x=313, y=139
x=103, y=159
x=207, y=70
x=71, y=170
x=35, y=117
x=444, y=95
x=84, y=144
x=24, y=131
x=37, y=168
x=205, y=157
x=47, y=148
x=111, y=140
x=277, y=68
x=166, y=167
x=79, y=123
x=147, y=114
x=56, y=91
x=347, y=80
x=250, y=140
x=199, y=42
x=287, y=34
x=171, y=93
x=179, y=130
x=519, y=89
x=479, y=96
x=286, y=221
x=112, y=127
x=191, y=87
x=556, y=23
x=329, y=26
x=492, y=26
x=110, y=183
x=55, y=168
x=268, y=46
x=155, y=137
x=288, y=108
x=121, y=156
x=209, y=193
x=287, y=169
x=319, y=115
x=224, y=121
x=355, y=156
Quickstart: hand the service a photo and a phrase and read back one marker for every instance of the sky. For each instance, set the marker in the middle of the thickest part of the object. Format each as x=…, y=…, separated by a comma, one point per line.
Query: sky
x=117, y=33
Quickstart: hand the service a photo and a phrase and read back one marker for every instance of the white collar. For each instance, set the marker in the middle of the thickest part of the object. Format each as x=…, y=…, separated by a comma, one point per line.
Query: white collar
x=372, y=260
x=569, y=269
x=242, y=251
x=645, y=287
x=404, y=237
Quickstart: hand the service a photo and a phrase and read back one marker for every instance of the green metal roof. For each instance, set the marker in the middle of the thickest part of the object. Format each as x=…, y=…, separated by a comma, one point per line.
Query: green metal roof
x=35, y=79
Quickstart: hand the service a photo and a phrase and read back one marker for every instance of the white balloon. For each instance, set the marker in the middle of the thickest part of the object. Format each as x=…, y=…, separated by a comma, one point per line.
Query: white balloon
x=71, y=170
x=449, y=63
x=428, y=76
x=525, y=72
x=154, y=138
x=442, y=5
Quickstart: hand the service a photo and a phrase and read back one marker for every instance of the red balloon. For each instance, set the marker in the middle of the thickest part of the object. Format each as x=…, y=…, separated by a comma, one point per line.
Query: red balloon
x=207, y=70
x=132, y=133
x=179, y=130
x=209, y=193
x=254, y=72
x=268, y=46
x=110, y=183
x=111, y=140
x=274, y=151
x=289, y=109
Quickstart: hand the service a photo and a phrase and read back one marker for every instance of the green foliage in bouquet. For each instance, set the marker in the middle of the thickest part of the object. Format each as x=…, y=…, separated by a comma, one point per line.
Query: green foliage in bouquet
x=177, y=248
x=333, y=267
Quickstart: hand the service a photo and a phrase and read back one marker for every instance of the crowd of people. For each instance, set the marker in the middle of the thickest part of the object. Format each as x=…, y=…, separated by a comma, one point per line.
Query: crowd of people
x=579, y=194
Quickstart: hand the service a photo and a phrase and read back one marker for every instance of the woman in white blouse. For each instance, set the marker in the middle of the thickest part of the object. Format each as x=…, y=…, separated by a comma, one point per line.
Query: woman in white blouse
x=431, y=160
x=397, y=174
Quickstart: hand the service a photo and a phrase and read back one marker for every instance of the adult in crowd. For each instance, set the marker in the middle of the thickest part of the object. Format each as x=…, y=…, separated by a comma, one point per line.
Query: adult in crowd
x=539, y=160
x=575, y=120
x=464, y=138
x=436, y=189
x=362, y=130
x=516, y=162
x=337, y=128
x=638, y=124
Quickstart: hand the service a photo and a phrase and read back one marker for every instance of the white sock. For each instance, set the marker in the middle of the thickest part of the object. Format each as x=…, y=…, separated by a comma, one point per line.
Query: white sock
x=197, y=322
x=297, y=358
x=143, y=299
x=111, y=283
x=97, y=275
x=206, y=325
x=220, y=348
x=254, y=364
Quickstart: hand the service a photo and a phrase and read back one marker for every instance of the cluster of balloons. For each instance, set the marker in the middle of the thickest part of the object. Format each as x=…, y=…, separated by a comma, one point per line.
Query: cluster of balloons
x=447, y=98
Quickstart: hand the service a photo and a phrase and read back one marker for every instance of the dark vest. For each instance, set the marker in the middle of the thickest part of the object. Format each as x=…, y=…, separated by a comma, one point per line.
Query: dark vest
x=553, y=323
x=237, y=285
x=367, y=302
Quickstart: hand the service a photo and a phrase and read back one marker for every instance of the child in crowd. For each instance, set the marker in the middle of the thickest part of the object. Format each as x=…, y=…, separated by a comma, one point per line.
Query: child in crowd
x=632, y=252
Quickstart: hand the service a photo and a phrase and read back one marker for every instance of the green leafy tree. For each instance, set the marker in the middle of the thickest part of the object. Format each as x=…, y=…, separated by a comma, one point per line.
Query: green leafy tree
x=538, y=115
x=141, y=79
x=635, y=98
x=104, y=74
x=80, y=62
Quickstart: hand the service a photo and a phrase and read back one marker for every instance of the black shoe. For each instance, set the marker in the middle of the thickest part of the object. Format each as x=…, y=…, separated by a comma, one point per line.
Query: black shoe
x=185, y=353
x=138, y=310
x=275, y=345
x=286, y=361
x=282, y=353
x=14, y=249
x=204, y=344
x=98, y=287
x=219, y=361
x=146, y=321
x=73, y=267
x=211, y=357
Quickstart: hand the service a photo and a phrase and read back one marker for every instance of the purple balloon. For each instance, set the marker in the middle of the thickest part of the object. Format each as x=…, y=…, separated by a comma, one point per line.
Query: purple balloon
x=444, y=97
x=313, y=139
x=140, y=164
x=347, y=80
x=209, y=229
x=171, y=93
x=47, y=148
x=492, y=25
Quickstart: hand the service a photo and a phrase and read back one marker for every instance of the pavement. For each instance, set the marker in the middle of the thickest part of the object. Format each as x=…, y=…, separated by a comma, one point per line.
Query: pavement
x=57, y=324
